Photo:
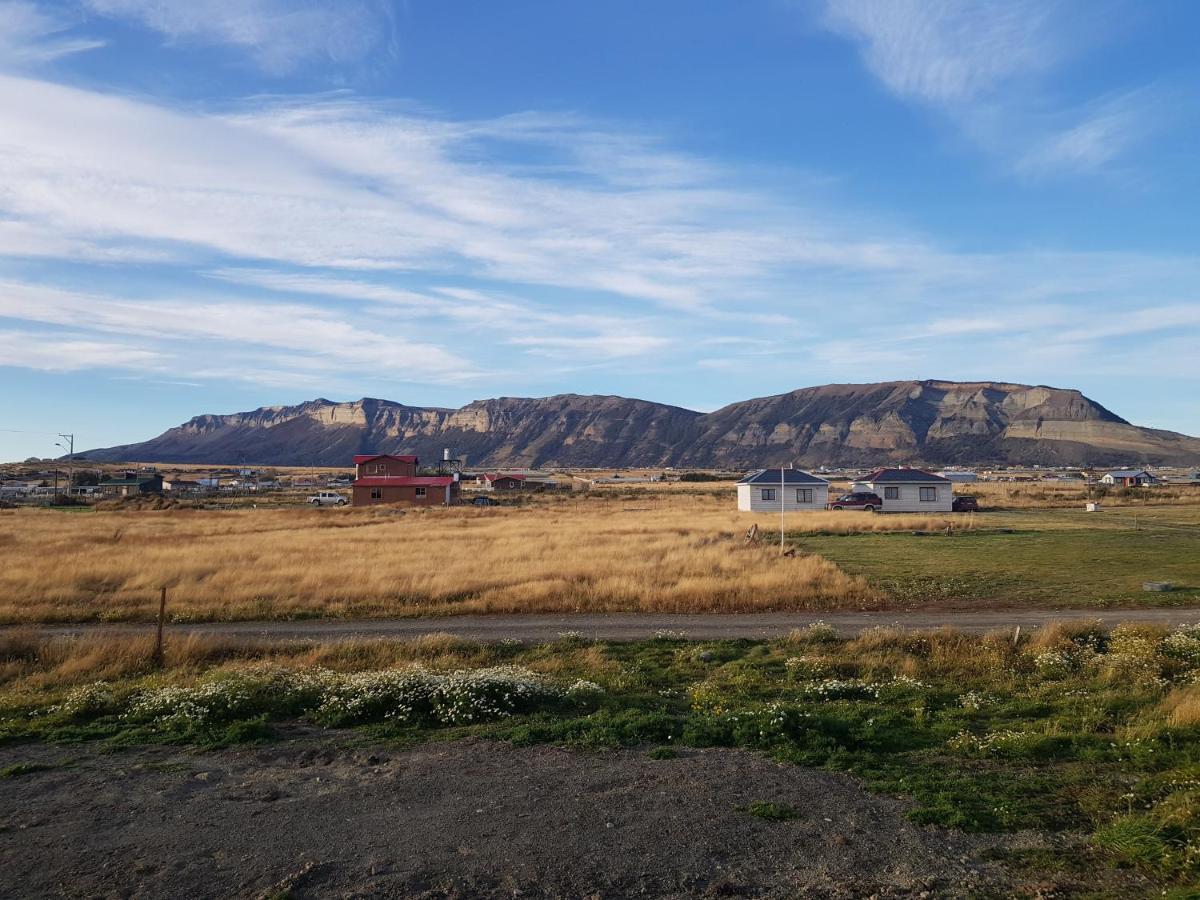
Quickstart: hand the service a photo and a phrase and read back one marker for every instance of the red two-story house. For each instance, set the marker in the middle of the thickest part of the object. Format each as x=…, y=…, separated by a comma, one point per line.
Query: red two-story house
x=383, y=478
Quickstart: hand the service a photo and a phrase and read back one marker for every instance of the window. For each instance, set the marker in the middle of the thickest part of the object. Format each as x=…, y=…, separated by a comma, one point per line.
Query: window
x=418, y=492
x=804, y=495
x=376, y=493
x=768, y=493
x=892, y=493
x=928, y=495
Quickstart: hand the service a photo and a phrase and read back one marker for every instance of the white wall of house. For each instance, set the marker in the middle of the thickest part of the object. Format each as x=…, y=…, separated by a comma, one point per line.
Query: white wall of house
x=914, y=497
x=795, y=497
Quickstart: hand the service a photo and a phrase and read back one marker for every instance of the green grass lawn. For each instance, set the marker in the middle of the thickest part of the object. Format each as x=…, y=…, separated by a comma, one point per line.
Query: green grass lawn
x=1047, y=559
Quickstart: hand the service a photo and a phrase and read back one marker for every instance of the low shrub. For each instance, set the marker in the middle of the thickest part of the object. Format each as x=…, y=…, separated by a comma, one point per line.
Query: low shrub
x=408, y=697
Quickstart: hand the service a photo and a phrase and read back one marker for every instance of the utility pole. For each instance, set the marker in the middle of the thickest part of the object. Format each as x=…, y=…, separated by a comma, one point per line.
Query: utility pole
x=782, y=502
x=69, y=446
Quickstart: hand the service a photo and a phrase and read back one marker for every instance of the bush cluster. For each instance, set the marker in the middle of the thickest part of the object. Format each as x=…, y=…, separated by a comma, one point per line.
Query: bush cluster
x=410, y=697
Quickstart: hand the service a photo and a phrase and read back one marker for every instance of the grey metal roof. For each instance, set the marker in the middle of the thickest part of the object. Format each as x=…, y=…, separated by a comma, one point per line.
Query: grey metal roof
x=790, y=476
x=901, y=476
x=1129, y=473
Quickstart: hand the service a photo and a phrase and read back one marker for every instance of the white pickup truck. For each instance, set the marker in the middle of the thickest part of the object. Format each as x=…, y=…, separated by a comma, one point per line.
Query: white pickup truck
x=327, y=498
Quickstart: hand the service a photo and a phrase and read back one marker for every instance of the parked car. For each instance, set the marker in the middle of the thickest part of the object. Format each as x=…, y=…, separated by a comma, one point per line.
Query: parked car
x=965, y=503
x=327, y=498
x=484, y=501
x=864, y=500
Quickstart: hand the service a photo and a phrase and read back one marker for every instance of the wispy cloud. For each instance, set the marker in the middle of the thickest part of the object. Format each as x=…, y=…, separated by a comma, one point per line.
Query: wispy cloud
x=584, y=338
x=280, y=35
x=984, y=65
x=1101, y=133
x=71, y=352
x=30, y=35
x=607, y=346
x=327, y=240
x=187, y=335
x=948, y=52
x=357, y=186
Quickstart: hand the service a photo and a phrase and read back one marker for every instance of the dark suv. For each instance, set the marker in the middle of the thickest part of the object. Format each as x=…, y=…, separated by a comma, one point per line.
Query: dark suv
x=965, y=503
x=863, y=500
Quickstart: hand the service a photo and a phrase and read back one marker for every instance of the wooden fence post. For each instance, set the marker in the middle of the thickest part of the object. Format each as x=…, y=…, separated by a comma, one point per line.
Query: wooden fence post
x=159, y=658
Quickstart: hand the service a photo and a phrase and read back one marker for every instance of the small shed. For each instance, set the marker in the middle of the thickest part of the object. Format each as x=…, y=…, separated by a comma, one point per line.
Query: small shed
x=772, y=490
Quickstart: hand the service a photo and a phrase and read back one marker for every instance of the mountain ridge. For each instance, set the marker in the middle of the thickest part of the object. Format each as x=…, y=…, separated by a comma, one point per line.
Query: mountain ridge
x=931, y=421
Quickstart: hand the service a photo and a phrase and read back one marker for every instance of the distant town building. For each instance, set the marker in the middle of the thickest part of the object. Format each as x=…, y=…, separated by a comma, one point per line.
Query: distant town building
x=770, y=490
x=496, y=481
x=909, y=490
x=959, y=477
x=130, y=484
x=178, y=485
x=1129, y=478
x=382, y=478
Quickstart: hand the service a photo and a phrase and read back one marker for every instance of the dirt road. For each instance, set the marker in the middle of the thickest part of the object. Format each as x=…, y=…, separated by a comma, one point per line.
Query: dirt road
x=312, y=816
x=633, y=626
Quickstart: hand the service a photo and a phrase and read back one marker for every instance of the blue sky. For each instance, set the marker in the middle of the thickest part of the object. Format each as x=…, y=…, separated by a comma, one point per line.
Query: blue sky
x=222, y=204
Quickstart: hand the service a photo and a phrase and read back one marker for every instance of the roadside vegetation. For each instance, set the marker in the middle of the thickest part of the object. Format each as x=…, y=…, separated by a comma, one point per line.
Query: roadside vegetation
x=1087, y=738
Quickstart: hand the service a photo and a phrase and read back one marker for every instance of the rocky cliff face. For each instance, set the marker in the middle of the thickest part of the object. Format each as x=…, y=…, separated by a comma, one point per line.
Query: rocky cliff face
x=929, y=422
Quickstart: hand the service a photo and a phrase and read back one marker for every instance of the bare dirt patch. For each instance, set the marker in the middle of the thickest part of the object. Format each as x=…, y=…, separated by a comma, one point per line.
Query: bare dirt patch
x=311, y=816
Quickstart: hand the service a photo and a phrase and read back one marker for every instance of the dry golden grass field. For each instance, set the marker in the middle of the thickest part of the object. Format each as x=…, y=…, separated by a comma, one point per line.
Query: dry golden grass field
x=665, y=553
x=674, y=549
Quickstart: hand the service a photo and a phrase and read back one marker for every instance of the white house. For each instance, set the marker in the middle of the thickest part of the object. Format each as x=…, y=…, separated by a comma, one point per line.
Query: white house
x=909, y=490
x=1129, y=477
x=765, y=491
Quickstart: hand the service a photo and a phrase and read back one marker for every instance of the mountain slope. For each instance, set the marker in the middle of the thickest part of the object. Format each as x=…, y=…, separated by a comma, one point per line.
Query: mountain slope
x=931, y=422
x=568, y=429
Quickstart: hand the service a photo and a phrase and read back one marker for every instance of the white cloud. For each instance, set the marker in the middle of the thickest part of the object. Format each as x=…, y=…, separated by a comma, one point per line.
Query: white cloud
x=948, y=51
x=583, y=338
x=200, y=331
x=350, y=185
x=1103, y=132
x=31, y=36
x=605, y=346
x=390, y=241
x=279, y=34
x=71, y=352
x=983, y=64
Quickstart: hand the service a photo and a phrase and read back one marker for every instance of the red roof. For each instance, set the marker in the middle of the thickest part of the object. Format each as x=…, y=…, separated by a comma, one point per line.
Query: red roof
x=404, y=481
x=367, y=457
x=496, y=476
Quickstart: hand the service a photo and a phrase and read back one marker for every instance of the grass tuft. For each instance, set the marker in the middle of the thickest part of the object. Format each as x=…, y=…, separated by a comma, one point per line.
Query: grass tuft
x=774, y=812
